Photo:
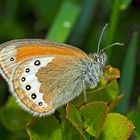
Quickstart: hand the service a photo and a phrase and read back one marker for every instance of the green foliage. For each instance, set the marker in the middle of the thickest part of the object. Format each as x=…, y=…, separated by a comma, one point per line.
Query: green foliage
x=125, y=4
x=94, y=115
x=78, y=121
x=64, y=22
x=116, y=124
x=113, y=23
x=45, y=10
x=139, y=102
x=88, y=9
x=16, y=119
x=129, y=66
x=135, y=117
x=44, y=128
x=107, y=93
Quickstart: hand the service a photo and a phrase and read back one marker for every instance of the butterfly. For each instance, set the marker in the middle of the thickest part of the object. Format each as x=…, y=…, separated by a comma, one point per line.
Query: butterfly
x=43, y=75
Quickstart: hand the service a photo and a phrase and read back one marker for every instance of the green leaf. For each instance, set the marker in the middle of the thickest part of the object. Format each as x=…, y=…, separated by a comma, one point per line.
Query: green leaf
x=139, y=102
x=116, y=127
x=74, y=118
x=64, y=22
x=13, y=117
x=113, y=23
x=114, y=103
x=14, y=29
x=3, y=92
x=94, y=115
x=135, y=118
x=125, y=4
x=128, y=74
x=107, y=94
x=45, y=10
x=11, y=9
x=88, y=10
x=70, y=132
x=45, y=128
x=4, y=132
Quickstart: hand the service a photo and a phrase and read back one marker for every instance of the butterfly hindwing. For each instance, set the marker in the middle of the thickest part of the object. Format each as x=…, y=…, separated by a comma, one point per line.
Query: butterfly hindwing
x=42, y=84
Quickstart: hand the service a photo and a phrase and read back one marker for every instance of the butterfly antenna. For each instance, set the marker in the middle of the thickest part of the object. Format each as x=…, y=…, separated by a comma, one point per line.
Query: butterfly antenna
x=101, y=36
x=114, y=44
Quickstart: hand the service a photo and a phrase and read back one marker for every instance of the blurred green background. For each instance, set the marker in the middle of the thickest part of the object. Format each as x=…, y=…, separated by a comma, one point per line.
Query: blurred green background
x=79, y=23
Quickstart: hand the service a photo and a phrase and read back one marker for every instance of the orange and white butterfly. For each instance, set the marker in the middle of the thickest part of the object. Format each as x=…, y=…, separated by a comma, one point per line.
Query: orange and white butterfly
x=44, y=76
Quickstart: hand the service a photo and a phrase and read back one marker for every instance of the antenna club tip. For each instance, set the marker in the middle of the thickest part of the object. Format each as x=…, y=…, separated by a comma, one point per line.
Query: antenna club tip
x=119, y=44
x=106, y=24
x=114, y=44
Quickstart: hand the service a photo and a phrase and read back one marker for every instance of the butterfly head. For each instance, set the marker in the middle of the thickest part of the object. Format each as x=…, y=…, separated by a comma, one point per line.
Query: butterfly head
x=101, y=58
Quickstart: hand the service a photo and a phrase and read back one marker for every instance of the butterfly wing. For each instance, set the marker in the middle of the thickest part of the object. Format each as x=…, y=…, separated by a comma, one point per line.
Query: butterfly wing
x=14, y=52
x=42, y=84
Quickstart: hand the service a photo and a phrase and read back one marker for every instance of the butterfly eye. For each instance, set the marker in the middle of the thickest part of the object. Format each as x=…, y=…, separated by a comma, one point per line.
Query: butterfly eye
x=91, y=80
x=97, y=58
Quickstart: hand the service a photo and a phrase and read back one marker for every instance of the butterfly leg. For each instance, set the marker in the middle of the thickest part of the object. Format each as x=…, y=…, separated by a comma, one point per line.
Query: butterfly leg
x=84, y=91
x=67, y=106
x=67, y=103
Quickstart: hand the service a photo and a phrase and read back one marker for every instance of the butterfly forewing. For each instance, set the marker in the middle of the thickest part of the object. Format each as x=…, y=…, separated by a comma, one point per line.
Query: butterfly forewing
x=7, y=61
x=14, y=52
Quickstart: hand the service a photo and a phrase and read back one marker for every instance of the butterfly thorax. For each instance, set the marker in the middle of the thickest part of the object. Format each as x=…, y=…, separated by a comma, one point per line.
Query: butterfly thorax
x=93, y=74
